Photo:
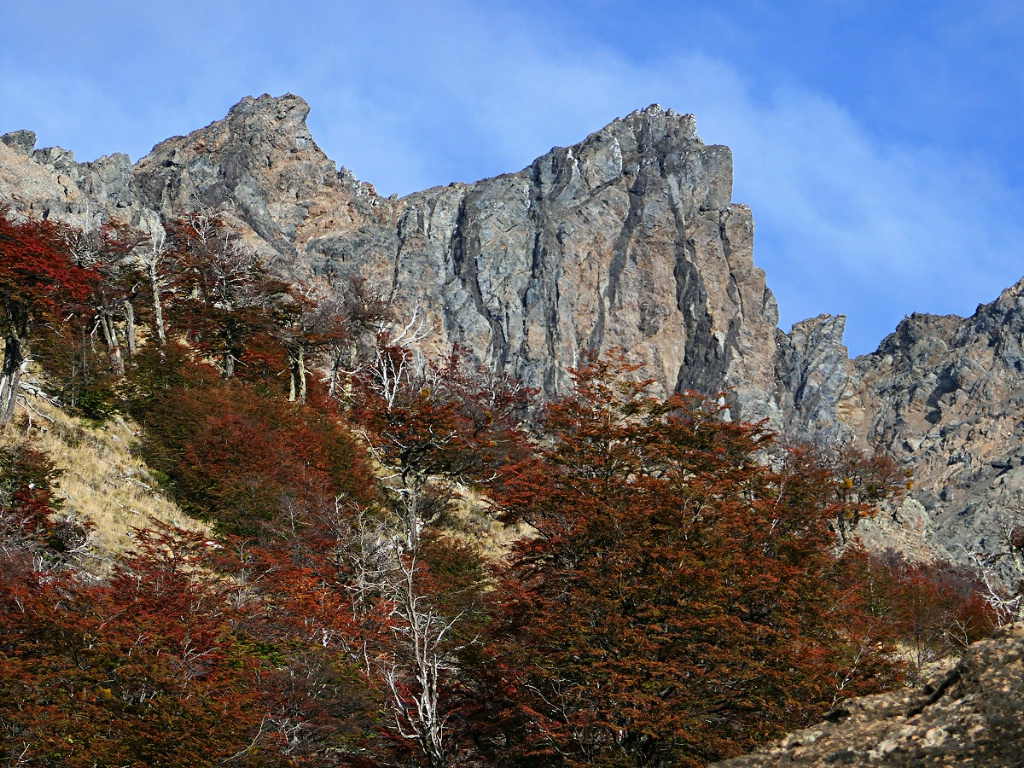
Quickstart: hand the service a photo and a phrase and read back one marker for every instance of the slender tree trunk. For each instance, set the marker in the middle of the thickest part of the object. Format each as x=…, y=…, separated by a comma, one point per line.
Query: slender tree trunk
x=10, y=375
x=158, y=307
x=293, y=373
x=336, y=372
x=129, y=331
x=335, y=367
x=297, y=363
x=353, y=357
x=113, y=346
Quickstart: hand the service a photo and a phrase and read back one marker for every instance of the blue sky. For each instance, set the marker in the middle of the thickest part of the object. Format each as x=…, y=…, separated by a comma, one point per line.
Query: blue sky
x=878, y=143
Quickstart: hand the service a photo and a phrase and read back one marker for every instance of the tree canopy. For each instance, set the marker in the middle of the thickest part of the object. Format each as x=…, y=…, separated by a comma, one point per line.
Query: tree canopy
x=668, y=586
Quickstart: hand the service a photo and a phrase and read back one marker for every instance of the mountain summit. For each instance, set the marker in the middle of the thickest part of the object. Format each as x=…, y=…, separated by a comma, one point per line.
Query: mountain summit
x=629, y=239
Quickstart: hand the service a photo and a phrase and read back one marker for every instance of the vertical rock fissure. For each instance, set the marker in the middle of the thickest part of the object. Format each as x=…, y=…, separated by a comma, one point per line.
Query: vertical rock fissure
x=705, y=361
x=723, y=233
x=620, y=254
x=465, y=250
x=621, y=249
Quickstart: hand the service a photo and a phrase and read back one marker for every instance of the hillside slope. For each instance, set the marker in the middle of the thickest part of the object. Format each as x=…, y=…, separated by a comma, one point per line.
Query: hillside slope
x=970, y=715
x=628, y=239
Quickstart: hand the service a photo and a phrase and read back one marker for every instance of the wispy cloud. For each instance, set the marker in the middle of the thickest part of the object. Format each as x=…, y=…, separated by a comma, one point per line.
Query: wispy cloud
x=856, y=213
x=851, y=223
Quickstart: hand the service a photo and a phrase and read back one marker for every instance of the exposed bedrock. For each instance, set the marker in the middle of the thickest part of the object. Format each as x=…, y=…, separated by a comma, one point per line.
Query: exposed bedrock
x=629, y=239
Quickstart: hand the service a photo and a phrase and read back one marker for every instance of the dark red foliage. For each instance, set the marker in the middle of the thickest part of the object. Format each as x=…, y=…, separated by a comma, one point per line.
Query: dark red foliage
x=678, y=601
x=436, y=428
x=40, y=285
x=225, y=299
x=246, y=460
x=861, y=480
x=155, y=667
x=134, y=671
x=450, y=420
x=929, y=610
x=37, y=276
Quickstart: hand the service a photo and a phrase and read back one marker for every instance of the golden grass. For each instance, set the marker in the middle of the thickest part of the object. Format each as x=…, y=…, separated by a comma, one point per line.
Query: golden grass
x=103, y=480
x=470, y=516
x=472, y=521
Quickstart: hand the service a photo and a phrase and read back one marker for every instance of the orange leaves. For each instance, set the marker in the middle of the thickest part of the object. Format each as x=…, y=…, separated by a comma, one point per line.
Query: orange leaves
x=673, y=604
x=39, y=283
x=36, y=273
x=137, y=670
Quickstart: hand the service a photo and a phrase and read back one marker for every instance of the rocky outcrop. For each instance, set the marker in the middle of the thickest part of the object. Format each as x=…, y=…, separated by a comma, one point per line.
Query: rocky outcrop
x=628, y=239
x=971, y=716
x=22, y=142
x=816, y=382
x=48, y=183
x=944, y=396
x=261, y=167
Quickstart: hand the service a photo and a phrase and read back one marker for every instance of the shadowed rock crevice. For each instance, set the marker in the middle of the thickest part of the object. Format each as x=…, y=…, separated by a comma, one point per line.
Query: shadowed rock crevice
x=465, y=243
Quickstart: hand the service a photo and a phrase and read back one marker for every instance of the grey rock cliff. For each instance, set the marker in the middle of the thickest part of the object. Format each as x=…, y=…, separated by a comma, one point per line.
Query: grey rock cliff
x=626, y=240
x=816, y=382
x=629, y=239
x=944, y=395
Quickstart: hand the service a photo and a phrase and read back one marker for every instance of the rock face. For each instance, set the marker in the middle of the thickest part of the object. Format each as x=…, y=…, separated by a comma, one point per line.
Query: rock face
x=815, y=381
x=628, y=239
x=944, y=396
x=971, y=716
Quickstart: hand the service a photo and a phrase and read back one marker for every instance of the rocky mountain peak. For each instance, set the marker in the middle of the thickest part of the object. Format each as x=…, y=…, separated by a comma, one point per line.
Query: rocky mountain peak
x=259, y=164
x=23, y=142
x=659, y=124
x=287, y=109
x=628, y=239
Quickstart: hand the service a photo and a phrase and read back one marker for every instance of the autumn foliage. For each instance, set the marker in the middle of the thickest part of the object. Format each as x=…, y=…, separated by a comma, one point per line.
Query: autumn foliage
x=40, y=287
x=680, y=600
x=247, y=461
x=686, y=587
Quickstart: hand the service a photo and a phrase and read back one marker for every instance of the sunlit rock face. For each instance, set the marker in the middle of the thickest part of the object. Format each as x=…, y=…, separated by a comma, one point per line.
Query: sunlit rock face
x=945, y=396
x=628, y=240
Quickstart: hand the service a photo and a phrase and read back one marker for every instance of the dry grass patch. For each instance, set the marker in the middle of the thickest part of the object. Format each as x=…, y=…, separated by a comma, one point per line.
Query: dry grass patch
x=103, y=481
x=472, y=521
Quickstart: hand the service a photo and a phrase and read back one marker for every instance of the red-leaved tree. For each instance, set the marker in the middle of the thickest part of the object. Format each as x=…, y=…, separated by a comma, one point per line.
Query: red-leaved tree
x=678, y=601
x=226, y=299
x=38, y=284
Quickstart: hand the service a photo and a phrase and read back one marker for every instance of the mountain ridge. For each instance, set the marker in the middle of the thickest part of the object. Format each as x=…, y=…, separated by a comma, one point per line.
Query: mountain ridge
x=628, y=239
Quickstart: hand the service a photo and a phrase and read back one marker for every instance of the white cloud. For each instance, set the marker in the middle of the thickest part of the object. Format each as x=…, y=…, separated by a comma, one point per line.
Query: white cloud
x=410, y=95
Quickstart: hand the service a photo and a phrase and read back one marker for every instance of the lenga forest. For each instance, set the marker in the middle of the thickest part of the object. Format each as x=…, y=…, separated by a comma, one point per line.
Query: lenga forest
x=383, y=558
